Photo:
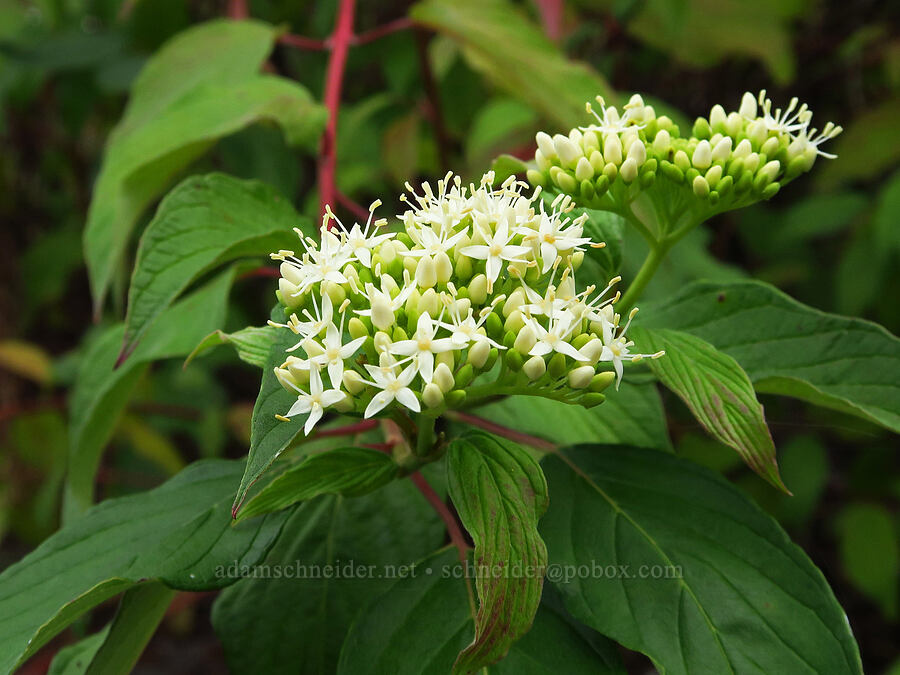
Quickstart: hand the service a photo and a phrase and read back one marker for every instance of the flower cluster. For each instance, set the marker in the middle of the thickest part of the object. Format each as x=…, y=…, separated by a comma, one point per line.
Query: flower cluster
x=731, y=159
x=474, y=298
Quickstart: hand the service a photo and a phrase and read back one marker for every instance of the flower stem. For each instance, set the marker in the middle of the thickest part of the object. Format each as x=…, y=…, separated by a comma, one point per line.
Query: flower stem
x=424, y=435
x=651, y=263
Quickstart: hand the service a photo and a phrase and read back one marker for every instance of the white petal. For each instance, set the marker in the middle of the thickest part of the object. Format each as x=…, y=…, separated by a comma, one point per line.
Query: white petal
x=408, y=398
x=569, y=350
x=331, y=397
x=378, y=403
x=493, y=268
x=314, y=416
x=426, y=366
x=404, y=347
x=480, y=252
x=300, y=407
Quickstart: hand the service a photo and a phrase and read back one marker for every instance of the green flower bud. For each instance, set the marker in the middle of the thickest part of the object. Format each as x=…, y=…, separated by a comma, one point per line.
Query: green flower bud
x=455, y=398
x=771, y=190
x=770, y=147
x=478, y=289
x=601, y=381
x=714, y=175
x=285, y=379
x=557, y=366
x=581, y=340
x=723, y=187
x=647, y=178
x=344, y=405
x=577, y=260
x=479, y=353
x=357, y=328
x=399, y=334
x=586, y=190
x=591, y=400
x=514, y=360
x=312, y=348
x=701, y=187
x=410, y=264
x=492, y=358
x=672, y=172
x=610, y=171
x=515, y=322
x=463, y=269
x=601, y=185
x=701, y=128
x=536, y=178
x=443, y=377
x=353, y=382
x=464, y=376
x=432, y=396
x=566, y=182
x=681, y=160
x=534, y=368
x=597, y=162
x=494, y=326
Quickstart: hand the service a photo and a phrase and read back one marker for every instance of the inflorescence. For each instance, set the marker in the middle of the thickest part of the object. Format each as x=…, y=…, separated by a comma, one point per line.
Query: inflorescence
x=730, y=160
x=474, y=298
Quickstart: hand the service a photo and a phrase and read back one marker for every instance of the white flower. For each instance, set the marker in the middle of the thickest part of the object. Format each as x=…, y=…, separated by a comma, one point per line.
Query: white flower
x=549, y=304
x=809, y=140
x=424, y=346
x=359, y=241
x=783, y=121
x=495, y=250
x=441, y=212
x=616, y=346
x=381, y=305
x=432, y=242
x=464, y=332
x=554, y=339
x=313, y=326
x=314, y=402
x=334, y=352
x=326, y=261
x=609, y=121
x=393, y=387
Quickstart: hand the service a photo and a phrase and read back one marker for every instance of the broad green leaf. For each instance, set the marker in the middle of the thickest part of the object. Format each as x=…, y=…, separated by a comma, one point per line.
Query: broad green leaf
x=869, y=146
x=178, y=533
x=703, y=32
x=608, y=228
x=75, y=659
x=501, y=123
x=500, y=493
x=514, y=54
x=203, y=222
x=101, y=391
x=816, y=216
x=139, y=613
x=505, y=166
x=350, y=472
x=419, y=624
x=887, y=215
x=677, y=563
x=791, y=349
x=632, y=415
x=870, y=554
x=27, y=360
x=294, y=623
x=717, y=391
x=202, y=85
x=252, y=344
x=269, y=436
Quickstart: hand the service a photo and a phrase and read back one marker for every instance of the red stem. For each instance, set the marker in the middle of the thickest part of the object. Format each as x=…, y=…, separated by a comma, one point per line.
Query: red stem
x=334, y=81
x=505, y=432
x=237, y=9
x=358, y=210
x=261, y=272
x=301, y=42
x=349, y=429
x=453, y=528
x=551, y=17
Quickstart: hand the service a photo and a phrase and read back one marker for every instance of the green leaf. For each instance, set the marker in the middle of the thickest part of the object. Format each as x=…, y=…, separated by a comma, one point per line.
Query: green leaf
x=252, y=344
x=514, y=54
x=140, y=611
x=680, y=565
x=633, y=415
x=887, y=215
x=75, y=659
x=269, y=436
x=200, y=86
x=500, y=493
x=350, y=472
x=294, y=623
x=505, y=166
x=609, y=228
x=203, y=222
x=717, y=391
x=870, y=554
x=868, y=146
x=419, y=624
x=101, y=391
x=178, y=533
x=790, y=349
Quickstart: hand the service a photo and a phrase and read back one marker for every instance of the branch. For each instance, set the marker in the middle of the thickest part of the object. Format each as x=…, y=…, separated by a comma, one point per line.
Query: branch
x=334, y=81
x=403, y=23
x=453, y=529
x=237, y=9
x=505, y=432
x=551, y=17
x=348, y=430
x=301, y=42
x=357, y=209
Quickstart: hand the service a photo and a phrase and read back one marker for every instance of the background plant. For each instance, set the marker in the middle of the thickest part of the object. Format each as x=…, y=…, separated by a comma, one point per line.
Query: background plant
x=64, y=71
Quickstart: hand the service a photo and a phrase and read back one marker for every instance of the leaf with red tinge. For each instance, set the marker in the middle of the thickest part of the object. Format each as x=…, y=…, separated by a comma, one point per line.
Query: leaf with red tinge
x=500, y=493
x=719, y=393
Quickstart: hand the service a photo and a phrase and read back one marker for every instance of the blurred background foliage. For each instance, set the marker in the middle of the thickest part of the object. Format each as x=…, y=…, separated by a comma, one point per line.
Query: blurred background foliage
x=471, y=80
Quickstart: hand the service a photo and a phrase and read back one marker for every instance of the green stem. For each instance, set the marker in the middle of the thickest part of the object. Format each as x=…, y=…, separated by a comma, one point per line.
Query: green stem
x=657, y=254
x=425, y=435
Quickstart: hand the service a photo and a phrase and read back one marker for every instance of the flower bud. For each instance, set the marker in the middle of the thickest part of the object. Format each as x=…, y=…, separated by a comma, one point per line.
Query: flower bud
x=590, y=142
x=478, y=289
x=612, y=149
x=662, y=142
x=597, y=162
x=353, y=382
x=432, y=396
x=734, y=124
x=298, y=368
x=568, y=152
x=543, y=164
x=702, y=156
x=429, y=304
x=748, y=106
x=557, y=366
x=592, y=349
x=515, y=300
x=681, y=160
x=514, y=360
x=382, y=313
x=638, y=152
x=701, y=187
x=742, y=149
x=525, y=340
x=443, y=377
x=757, y=133
x=357, y=328
x=584, y=170
x=478, y=354
x=290, y=294
x=426, y=274
x=312, y=348
x=455, y=398
x=714, y=175
x=285, y=378
x=770, y=147
x=580, y=378
x=601, y=381
x=545, y=145
x=382, y=342
x=591, y=400
x=717, y=117
x=443, y=268
x=515, y=322
x=534, y=368
x=464, y=376
x=344, y=405
x=629, y=170
x=722, y=150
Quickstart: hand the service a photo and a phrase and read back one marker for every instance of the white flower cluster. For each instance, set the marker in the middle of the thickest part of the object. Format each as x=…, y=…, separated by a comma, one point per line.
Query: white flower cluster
x=730, y=160
x=410, y=319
